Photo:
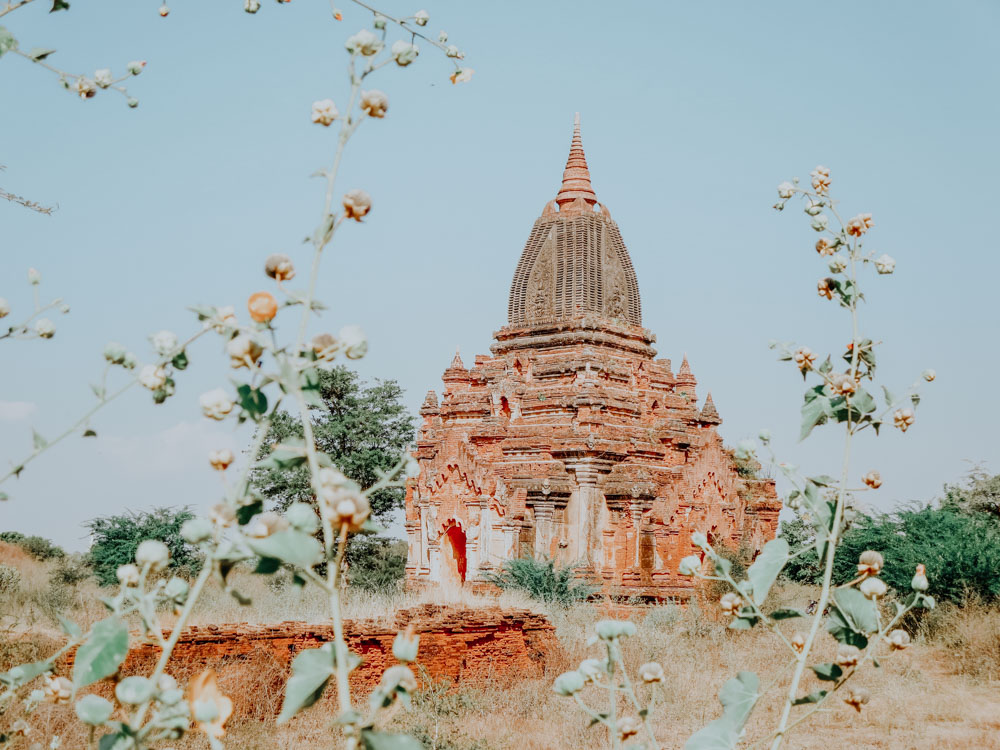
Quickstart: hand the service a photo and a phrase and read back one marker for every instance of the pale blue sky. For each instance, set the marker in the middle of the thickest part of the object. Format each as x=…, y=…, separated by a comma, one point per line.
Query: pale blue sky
x=692, y=114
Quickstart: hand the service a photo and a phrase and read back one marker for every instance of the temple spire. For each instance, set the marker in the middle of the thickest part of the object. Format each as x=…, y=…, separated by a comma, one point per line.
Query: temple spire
x=576, y=176
x=709, y=414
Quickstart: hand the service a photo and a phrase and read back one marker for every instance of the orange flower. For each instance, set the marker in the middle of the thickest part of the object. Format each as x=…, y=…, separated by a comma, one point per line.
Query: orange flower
x=262, y=306
x=210, y=708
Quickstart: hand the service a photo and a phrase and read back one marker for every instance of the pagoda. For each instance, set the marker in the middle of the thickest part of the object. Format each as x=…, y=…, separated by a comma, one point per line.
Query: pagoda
x=572, y=441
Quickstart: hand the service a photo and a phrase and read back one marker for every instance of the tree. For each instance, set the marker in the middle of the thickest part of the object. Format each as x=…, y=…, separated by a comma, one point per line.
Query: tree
x=364, y=428
x=979, y=494
x=115, y=539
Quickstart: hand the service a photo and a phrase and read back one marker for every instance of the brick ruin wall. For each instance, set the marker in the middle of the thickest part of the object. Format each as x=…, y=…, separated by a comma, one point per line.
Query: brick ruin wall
x=457, y=645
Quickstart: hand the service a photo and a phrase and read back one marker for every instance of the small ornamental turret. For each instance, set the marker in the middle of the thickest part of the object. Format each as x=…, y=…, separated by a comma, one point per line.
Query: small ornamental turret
x=456, y=372
x=430, y=406
x=709, y=414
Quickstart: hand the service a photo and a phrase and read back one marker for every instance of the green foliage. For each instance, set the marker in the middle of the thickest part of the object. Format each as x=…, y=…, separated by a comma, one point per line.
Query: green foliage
x=542, y=580
x=364, y=428
x=71, y=570
x=738, y=697
x=979, y=494
x=38, y=547
x=960, y=551
x=103, y=652
x=10, y=580
x=376, y=563
x=115, y=539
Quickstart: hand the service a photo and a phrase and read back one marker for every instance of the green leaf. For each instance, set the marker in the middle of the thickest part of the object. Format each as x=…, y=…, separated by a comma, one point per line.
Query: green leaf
x=98, y=391
x=94, y=710
x=372, y=740
x=290, y=546
x=180, y=360
x=102, y=654
x=39, y=442
x=889, y=398
x=823, y=480
x=117, y=741
x=741, y=623
x=311, y=670
x=267, y=565
x=311, y=390
x=253, y=401
x=245, y=512
x=738, y=697
x=814, y=697
x=204, y=312
x=40, y=53
x=826, y=366
x=7, y=41
x=22, y=674
x=70, y=628
x=59, y=5
x=828, y=672
x=89, y=433
x=283, y=457
x=852, y=617
x=862, y=401
x=765, y=569
x=815, y=410
x=786, y=614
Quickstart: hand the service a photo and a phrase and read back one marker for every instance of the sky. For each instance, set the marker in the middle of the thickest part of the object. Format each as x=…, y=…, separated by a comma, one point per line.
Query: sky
x=692, y=113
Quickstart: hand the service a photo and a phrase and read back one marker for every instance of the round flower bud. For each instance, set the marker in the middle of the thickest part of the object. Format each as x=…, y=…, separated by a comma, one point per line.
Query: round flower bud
x=263, y=525
x=856, y=697
x=34, y=277
x=153, y=553
x=243, y=350
x=93, y=710
x=196, y=530
x=164, y=11
x=699, y=539
x=442, y=36
x=357, y=204
x=804, y=357
x=132, y=102
x=164, y=343
x=302, y=517
x=222, y=515
x=824, y=288
x=166, y=682
x=462, y=75
x=57, y=689
x=353, y=341
x=764, y=436
x=279, y=267
x=609, y=630
x=379, y=22
x=324, y=112
x=223, y=320
x=819, y=222
x=216, y=404
x=927, y=375
x=651, y=672
x=873, y=588
x=374, y=103
x=135, y=67
x=847, y=655
x=798, y=642
x=870, y=562
x=152, y=377
x=114, y=353
x=858, y=225
x=898, y=640
x=221, y=459
x=397, y=677
x=405, y=646
x=813, y=208
x=731, y=603
x=421, y=17
x=404, y=53
x=903, y=418
x=628, y=726
x=689, y=565
x=251, y=6
x=592, y=669
x=130, y=362
x=364, y=43
x=820, y=180
x=824, y=246
x=454, y=52
x=568, y=683
x=45, y=328
x=837, y=263
x=262, y=306
x=919, y=582
x=4, y=308
x=786, y=190
x=324, y=345
x=134, y=690
x=873, y=479
x=103, y=78
x=64, y=309
x=885, y=264
x=128, y=575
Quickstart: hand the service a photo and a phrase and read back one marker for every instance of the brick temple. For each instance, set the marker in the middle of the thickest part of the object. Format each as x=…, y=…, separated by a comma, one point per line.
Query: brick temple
x=572, y=440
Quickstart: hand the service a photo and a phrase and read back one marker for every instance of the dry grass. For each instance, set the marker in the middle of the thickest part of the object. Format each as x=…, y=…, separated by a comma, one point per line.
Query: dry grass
x=940, y=693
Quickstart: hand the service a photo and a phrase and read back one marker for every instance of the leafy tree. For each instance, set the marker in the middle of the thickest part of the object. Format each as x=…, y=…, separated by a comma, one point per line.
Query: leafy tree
x=960, y=551
x=376, y=563
x=38, y=547
x=980, y=494
x=363, y=428
x=115, y=539
x=542, y=580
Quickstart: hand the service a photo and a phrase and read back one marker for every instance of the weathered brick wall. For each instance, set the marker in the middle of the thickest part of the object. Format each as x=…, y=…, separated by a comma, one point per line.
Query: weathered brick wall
x=456, y=644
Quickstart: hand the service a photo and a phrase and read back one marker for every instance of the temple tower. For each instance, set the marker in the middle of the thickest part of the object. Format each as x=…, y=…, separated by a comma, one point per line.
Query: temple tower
x=572, y=440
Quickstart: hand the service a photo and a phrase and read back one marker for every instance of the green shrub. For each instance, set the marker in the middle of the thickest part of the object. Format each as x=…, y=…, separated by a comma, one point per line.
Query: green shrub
x=10, y=580
x=960, y=551
x=115, y=539
x=11, y=537
x=72, y=570
x=376, y=563
x=542, y=580
x=38, y=547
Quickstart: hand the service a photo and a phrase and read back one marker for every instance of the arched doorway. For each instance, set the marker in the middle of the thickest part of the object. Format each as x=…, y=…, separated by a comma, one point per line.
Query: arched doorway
x=453, y=560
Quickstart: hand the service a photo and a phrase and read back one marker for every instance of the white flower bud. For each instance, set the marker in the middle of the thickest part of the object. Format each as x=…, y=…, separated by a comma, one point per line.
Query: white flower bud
x=398, y=677
x=196, y=530
x=898, y=640
x=135, y=67
x=357, y=203
x=302, y=517
x=64, y=308
x=872, y=479
x=699, y=539
x=34, y=277
x=873, y=588
x=86, y=88
x=130, y=362
x=858, y=225
x=820, y=179
x=798, y=642
x=45, y=328
x=324, y=112
x=462, y=75
x=847, y=655
x=730, y=603
x=364, y=43
x=568, y=683
x=610, y=630
x=856, y=697
x=919, y=582
x=405, y=646
x=216, y=404
x=379, y=22
x=103, y=78
x=592, y=669
x=164, y=343
x=57, y=689
x=690, y=565
x=242, y=350
x=837, y=263
x=221, y=459
x=903, y=418
x=819, y=222
x=152, y=552
x=442, y=37
x=132, y=102
x=453, y=52
x=629, y=726
x=764, y=436
x=786, y=190
x=279, y=267
x=263, y=525
x=353, y=341
x=152, y=377
x=251, y=6
x=928, y=375
x=404, y=53
x=128, y=575
x=651, y=672
x=421, y=17
x=4, y=308
x=374, y=103
x=813, y=208
x=885, y=264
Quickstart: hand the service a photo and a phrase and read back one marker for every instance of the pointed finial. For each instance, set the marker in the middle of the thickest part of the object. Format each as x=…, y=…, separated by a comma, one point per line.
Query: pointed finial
x=576, y=176
x=457, y=361
x=684, y=374
x=709, y=414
